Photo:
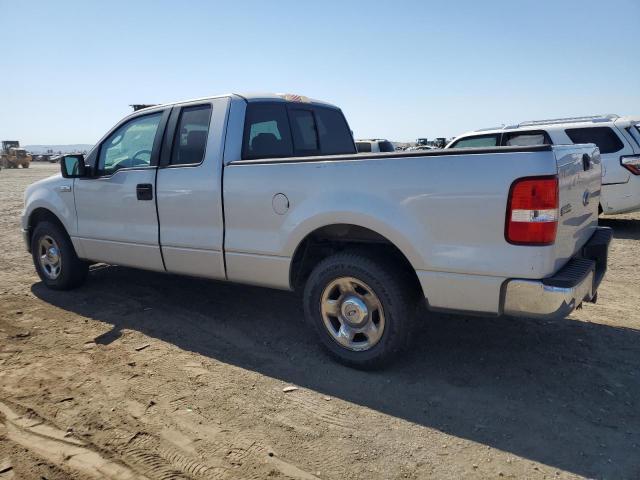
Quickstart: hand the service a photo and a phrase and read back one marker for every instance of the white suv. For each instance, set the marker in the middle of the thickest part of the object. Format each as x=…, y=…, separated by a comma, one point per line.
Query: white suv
x=618, y=139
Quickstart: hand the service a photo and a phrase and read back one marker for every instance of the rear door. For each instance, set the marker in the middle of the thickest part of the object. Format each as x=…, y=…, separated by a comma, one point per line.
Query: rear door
x=116, y=208
x=189, y=189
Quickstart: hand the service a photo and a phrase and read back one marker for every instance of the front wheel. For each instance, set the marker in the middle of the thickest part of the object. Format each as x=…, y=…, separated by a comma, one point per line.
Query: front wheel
x=361, y=309
x=55, y=258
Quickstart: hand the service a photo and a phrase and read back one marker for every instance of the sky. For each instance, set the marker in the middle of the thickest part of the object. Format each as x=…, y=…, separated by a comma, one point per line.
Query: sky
x=398, y=69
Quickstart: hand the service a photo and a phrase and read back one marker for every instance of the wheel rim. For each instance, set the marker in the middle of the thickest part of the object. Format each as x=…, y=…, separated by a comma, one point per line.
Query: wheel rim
x=352, y=314
x=49, y=255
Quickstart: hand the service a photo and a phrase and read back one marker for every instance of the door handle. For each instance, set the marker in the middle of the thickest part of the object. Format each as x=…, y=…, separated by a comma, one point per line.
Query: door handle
x=144, y=191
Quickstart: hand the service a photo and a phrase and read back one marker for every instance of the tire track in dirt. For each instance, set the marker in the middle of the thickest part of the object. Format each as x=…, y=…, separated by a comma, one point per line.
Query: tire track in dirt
x=51, y=443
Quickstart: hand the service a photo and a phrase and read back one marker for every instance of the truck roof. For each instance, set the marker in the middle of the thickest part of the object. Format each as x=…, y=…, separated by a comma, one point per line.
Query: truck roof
x=255, y=97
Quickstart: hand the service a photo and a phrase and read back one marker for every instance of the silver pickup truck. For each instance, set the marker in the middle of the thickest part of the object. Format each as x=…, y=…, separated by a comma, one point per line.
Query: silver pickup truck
x=269, y=190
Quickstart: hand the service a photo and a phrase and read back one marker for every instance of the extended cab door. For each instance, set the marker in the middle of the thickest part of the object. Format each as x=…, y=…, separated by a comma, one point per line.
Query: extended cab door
x=189, y=191
x=116, y=208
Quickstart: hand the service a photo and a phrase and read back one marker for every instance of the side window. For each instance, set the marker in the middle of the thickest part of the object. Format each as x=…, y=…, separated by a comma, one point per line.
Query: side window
x=130, y=145
x=191, y=136
x=525, y=139
x=363, y=147
x=605, y=138
x=333, y=132
x=304, y=131
x=477, y=141
x=266, y=132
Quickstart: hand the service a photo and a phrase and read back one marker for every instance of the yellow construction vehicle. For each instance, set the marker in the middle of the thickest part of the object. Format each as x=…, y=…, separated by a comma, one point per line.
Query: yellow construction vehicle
x=13, y=156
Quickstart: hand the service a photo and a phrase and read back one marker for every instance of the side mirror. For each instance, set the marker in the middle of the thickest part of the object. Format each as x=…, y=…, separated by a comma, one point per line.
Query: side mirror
x=72, y=166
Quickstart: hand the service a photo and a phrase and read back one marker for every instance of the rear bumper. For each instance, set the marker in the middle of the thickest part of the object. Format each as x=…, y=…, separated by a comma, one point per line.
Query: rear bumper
x=558, y=295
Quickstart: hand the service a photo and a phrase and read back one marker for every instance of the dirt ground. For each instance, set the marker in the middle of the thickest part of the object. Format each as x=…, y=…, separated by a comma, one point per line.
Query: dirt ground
x=143, y=375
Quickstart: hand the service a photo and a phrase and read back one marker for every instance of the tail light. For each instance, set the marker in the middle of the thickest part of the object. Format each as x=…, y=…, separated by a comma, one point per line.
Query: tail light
x=532, y=211
x=631, y=163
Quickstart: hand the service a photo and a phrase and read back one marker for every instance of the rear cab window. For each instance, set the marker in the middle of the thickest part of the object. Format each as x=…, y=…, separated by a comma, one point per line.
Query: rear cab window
x=478, y=141
x=266, y=132
x=604, y=137
x=333, y=132
x=278, y=129
x=304, y=131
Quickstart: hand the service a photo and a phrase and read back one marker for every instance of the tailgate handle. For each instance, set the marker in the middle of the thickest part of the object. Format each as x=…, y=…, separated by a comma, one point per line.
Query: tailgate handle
x=586, y=162
x=144, y=191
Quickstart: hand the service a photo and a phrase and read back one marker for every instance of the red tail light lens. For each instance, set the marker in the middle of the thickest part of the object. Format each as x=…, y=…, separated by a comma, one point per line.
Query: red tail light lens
x=631, y=163
x=532, y=211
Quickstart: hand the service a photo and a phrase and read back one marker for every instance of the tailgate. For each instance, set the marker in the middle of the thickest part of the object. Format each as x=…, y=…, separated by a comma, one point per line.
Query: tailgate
x=580, y=179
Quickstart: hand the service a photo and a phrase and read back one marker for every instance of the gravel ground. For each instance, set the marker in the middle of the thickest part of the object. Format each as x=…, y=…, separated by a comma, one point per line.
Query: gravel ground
x=143, y=375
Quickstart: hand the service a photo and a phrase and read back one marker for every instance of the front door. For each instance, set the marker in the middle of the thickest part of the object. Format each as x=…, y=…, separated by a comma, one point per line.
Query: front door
x=116, y=208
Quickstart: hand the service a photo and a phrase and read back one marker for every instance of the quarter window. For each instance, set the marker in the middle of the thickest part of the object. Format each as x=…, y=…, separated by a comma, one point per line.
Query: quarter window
x=190, y=141
x=477, y=142
x=130, y=145
x=605, y=138
x=266, y=133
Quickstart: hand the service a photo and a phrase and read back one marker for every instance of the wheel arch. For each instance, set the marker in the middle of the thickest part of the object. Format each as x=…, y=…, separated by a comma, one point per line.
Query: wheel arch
x=333, y=238
x=41, y=214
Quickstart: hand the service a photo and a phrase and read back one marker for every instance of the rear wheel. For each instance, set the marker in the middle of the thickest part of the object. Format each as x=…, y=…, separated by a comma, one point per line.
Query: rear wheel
x=362, y=309
x=55, y=258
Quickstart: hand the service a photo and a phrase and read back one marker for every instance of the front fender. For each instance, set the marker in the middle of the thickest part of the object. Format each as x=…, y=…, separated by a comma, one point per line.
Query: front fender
x=47, y=194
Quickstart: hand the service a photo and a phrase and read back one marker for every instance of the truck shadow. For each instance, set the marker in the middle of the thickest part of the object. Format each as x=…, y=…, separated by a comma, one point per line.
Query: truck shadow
x=563, y=393
x=622, y=228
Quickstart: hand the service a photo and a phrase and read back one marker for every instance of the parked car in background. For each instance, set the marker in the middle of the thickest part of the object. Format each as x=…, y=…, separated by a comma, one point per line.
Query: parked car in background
x=374, y=145
x=421, y=148
x=269, y=190
x=618, y=139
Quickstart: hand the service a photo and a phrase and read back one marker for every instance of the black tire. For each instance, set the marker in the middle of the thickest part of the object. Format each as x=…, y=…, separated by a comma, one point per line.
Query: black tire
x=396, y=292
x=73, y=271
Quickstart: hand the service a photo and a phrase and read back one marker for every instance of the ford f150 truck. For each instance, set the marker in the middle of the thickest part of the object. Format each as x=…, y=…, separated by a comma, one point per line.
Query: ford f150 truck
x=269, y=190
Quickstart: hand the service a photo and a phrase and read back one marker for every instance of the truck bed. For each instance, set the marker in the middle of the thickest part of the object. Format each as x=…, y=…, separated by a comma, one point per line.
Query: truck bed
x=445, y=210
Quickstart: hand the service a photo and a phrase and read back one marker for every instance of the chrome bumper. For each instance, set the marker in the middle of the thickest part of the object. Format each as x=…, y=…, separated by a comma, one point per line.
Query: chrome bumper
x=559, y=295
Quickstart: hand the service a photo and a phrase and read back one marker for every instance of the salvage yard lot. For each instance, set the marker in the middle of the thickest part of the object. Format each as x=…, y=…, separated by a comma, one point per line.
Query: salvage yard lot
x=143, y=375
